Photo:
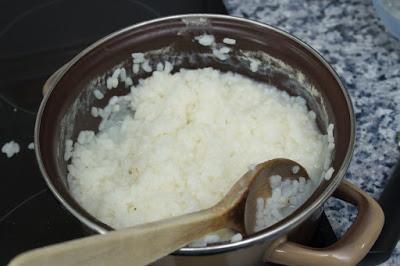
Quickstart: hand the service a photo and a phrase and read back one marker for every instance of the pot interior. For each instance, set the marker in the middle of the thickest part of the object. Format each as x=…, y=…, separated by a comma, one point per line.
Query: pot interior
x=289, y=65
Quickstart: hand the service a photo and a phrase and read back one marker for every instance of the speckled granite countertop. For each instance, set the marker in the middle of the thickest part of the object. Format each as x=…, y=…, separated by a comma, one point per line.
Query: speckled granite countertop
x=350, y=36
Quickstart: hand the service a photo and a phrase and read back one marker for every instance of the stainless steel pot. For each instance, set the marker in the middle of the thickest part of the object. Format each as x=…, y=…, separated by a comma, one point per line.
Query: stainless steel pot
x=290, y=65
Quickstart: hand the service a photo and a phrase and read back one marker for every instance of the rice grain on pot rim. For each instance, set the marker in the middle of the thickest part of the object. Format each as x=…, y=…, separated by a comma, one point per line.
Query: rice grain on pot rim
x=178, y=142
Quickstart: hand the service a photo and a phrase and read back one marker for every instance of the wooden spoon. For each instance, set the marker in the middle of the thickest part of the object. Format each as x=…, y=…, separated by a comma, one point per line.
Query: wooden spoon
x=143, y=244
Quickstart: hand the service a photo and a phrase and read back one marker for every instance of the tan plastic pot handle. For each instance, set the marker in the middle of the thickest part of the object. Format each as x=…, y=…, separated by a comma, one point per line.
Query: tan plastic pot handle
x=350, y=249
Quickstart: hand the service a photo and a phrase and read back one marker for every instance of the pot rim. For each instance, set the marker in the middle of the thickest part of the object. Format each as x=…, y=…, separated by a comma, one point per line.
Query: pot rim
x=285, y=225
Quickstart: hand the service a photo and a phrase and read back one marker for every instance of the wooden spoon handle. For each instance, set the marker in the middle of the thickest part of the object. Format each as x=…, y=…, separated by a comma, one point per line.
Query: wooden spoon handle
x=139, y=245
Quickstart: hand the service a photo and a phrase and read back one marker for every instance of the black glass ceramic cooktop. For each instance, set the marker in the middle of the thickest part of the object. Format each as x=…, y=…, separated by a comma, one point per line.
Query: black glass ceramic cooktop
x=36, y=38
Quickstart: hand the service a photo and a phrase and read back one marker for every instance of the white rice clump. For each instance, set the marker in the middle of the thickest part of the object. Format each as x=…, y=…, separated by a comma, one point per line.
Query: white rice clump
x=10, y=149
x=68, y=149
x=112, y=83
x=146, y=66
x=135, y=68
x=236, y=237
x=128, y=82
x=138, y=58
x=221, y=53
x=254, y=63
x=122, y=74
x=205, y=39
x=94, y=111
x=98, y=94
x=229, y=41
x=295, y=169
x=180, y=141
x=204, y=241
x=329, y=173
x=286, y=197
x=219, y=236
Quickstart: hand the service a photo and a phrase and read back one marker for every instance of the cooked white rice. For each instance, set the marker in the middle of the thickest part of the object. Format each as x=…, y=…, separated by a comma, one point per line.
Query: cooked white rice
x=229, y=41
x=287, y=196
x=98, y=94
x=205, y=39
x=31, y=146
x=192, y=135
x=10, y=149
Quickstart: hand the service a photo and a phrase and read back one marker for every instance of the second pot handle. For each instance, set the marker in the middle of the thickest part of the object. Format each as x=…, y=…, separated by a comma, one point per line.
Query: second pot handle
x=347, y=251
x=50, y=81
